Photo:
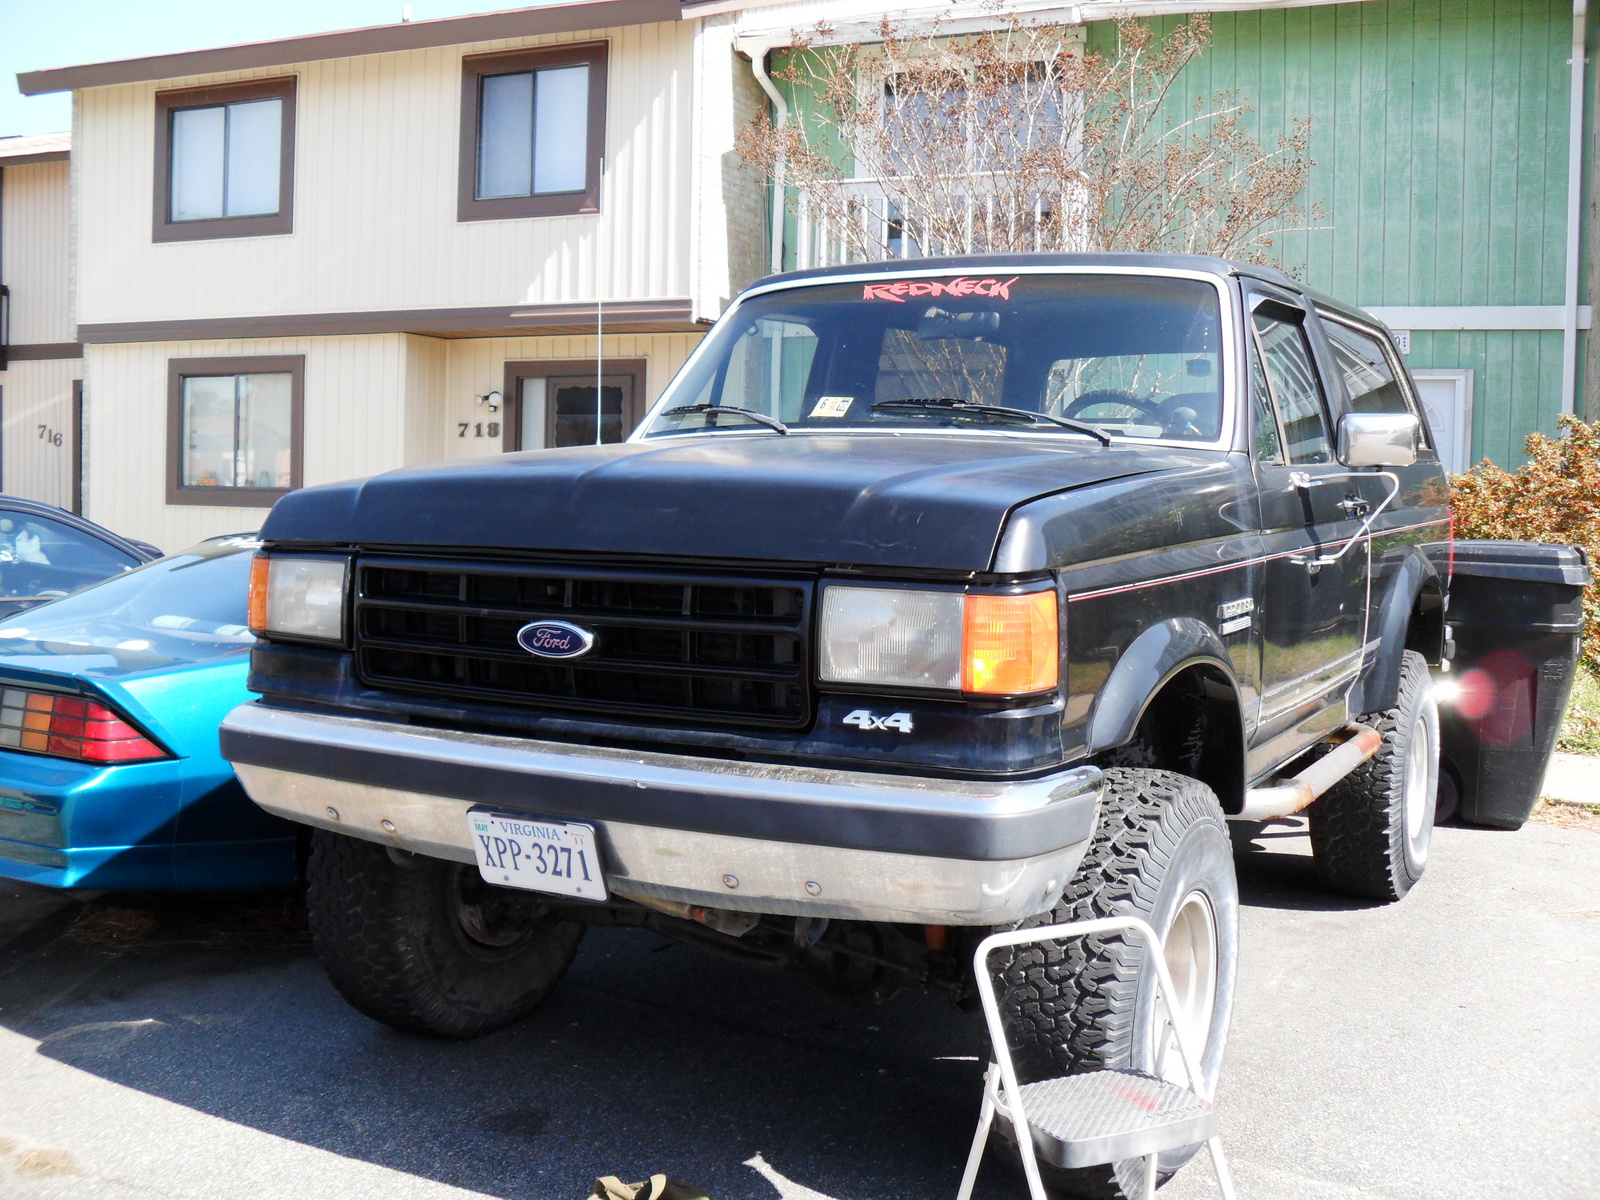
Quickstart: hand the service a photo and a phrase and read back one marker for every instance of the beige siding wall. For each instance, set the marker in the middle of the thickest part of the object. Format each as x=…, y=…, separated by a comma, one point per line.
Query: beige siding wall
x=730, y=213
x=375, y=197
x=477, y=367
x=35, y=395
x=372, y=403
x=35, y=226
x=355, y=425
x=427, y=361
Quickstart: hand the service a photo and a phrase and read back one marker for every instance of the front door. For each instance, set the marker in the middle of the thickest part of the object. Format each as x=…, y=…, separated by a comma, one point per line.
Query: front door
x=552, y=403
x=1312, y=606
x=571, y=409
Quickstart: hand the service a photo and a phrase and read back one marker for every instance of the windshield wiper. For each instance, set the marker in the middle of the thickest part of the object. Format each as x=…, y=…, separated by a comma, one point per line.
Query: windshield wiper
x=949, y=404
x=760, y=418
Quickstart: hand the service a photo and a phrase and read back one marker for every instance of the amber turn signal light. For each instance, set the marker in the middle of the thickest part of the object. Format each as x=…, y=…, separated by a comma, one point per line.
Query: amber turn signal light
x=1009, y=644
x=258, y=593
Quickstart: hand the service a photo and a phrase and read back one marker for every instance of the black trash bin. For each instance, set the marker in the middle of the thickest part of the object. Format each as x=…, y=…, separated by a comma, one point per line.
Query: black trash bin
x=1516, y=613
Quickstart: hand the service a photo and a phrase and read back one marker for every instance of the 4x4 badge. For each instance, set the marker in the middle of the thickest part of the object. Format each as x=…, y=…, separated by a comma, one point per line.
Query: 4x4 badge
x=865, y=720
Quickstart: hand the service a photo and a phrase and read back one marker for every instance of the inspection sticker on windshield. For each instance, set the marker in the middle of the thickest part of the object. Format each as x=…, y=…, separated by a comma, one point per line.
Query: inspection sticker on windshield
x=558, y=857
x=961, y=285
x=832, y=406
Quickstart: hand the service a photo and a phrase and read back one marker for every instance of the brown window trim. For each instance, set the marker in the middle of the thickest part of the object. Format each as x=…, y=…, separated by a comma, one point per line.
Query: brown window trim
x=234, y=497
x=282, y=221
x=544, y=368
x=550, y=204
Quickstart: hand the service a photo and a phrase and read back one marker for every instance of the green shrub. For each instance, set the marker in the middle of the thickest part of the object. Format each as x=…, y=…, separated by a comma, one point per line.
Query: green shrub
x=1553, y=497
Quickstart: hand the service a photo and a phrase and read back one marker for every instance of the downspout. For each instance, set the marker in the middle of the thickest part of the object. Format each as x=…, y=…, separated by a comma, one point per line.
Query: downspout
x=758, y=67
x=1569, y=316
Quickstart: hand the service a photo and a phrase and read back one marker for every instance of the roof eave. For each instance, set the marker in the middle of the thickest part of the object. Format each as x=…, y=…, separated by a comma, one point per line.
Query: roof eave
x=350, y=43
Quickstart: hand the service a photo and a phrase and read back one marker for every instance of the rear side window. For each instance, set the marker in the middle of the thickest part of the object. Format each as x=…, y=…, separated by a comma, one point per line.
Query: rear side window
x=1369, y=375
x=42, y=557
x=1295, y=391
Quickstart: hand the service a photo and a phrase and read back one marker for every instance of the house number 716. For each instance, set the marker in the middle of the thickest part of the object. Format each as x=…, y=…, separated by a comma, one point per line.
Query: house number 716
x=478, y=429
x=46, y=434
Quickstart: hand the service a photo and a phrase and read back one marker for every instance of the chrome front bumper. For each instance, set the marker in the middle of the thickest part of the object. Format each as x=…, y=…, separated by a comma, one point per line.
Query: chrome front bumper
x=749, y=837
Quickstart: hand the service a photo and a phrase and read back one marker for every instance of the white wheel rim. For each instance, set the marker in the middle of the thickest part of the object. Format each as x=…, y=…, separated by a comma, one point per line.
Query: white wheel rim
x=1417, y=797
x=1191, y=954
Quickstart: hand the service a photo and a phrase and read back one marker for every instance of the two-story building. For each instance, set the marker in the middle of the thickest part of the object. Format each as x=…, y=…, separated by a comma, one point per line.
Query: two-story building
x=330, y=256
x=41, y=362
x=327, y=256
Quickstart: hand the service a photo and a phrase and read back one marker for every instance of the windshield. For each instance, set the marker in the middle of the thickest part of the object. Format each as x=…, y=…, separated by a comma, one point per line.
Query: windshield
x=1135, y=356
x=182, y=609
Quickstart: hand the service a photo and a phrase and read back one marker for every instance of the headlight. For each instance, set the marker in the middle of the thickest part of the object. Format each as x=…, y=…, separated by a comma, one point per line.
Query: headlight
x=999, y=645
x=889, y=636
x=298, y=597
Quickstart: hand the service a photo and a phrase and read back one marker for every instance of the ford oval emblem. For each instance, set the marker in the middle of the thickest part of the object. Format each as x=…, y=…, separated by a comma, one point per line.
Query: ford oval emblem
x=555, y=639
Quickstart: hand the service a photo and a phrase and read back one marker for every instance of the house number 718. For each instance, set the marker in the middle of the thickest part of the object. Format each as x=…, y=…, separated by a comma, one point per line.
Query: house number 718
x=479, y=429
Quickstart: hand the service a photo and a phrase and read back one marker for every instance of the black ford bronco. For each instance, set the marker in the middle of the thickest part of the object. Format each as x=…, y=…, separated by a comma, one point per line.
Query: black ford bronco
x=932, y=596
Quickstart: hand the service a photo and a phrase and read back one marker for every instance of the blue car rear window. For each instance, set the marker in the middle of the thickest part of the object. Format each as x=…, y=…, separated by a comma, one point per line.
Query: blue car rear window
x=185, y=608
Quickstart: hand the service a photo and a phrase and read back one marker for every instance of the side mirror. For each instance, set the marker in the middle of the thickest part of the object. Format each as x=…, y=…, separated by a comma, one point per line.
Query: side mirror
x=1379, y=439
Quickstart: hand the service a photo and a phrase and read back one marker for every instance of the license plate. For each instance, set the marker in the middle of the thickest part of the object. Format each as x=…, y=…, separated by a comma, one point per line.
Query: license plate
x=558, y=857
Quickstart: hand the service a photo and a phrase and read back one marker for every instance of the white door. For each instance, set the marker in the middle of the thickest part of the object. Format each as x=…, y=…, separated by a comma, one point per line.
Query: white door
x=1446, y=397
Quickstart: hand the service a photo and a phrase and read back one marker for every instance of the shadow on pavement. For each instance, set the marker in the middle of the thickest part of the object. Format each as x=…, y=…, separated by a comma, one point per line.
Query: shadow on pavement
x=1273, y=861
x=649, y=1057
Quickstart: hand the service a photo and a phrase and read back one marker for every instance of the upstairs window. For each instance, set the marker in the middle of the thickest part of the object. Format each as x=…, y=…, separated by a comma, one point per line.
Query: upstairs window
x=224, y=162
x=532, y=132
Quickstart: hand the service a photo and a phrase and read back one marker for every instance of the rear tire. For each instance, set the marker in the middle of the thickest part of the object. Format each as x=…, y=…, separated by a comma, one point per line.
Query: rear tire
x=1371, y=831
x=1160, y=851
x=426, y=945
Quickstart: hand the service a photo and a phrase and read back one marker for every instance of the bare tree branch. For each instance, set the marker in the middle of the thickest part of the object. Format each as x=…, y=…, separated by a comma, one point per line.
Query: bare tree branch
x=1018, y=139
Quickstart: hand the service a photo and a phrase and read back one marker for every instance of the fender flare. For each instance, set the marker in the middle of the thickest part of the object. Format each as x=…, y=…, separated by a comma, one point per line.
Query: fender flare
x=1379, y=685
x=1144, y=668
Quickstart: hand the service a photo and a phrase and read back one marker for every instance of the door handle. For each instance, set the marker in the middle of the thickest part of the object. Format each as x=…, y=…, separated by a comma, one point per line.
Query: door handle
x=1354, y=507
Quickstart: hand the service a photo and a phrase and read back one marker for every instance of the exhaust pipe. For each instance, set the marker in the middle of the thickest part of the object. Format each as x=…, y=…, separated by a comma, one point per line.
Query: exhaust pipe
x=1293, y=795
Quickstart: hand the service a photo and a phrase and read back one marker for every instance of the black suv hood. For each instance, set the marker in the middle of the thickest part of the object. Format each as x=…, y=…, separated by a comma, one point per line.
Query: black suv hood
x=891, y=500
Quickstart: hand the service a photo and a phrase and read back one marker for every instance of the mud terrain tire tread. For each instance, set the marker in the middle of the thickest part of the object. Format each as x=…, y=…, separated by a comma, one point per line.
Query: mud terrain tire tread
x=380, y=932
x=1070, y=1007
x=1358, y=825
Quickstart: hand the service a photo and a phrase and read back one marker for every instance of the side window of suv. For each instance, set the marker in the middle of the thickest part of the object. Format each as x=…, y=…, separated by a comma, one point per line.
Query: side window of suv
x=1296, y=393
x=1269, y=444
x=1368, y=369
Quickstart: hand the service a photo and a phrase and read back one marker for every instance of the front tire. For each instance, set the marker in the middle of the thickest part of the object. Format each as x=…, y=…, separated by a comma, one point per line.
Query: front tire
x=1160, y=851
x=1371, y=831
x=426, y=945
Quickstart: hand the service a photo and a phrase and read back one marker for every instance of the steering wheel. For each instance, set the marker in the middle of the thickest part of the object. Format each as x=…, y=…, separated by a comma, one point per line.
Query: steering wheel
x=1113, y=396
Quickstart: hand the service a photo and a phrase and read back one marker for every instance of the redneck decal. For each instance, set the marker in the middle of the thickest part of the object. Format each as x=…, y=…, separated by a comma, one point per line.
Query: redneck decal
x=959, y=286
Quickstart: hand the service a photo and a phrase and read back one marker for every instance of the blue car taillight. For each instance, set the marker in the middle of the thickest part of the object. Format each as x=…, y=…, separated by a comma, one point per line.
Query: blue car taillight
x=70, y=727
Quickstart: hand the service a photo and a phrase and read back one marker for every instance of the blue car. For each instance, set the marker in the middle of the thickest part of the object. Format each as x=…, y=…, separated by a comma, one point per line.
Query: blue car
x=110, y=700
x=46, y=552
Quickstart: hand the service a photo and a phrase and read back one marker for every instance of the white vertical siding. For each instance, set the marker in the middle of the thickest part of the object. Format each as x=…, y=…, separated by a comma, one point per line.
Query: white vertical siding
x=375, y=197
x=730, y=198
x=426, y=363
x=355, y=425
x=36, y=400
x=35, y=225
x=372, y=403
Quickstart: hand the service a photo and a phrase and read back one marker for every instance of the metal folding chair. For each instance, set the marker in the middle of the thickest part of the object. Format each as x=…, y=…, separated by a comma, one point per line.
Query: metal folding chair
x=1100, y=1116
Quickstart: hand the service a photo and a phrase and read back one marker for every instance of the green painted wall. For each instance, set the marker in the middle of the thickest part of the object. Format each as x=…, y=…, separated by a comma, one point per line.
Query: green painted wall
x=1439, y=138
x=1439, y=134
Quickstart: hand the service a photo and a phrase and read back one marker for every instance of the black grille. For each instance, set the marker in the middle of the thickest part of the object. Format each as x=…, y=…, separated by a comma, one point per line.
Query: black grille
x=729, y=650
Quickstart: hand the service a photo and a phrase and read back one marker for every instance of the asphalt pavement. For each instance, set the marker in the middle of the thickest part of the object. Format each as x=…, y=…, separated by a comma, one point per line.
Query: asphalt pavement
x=1447, y=1046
